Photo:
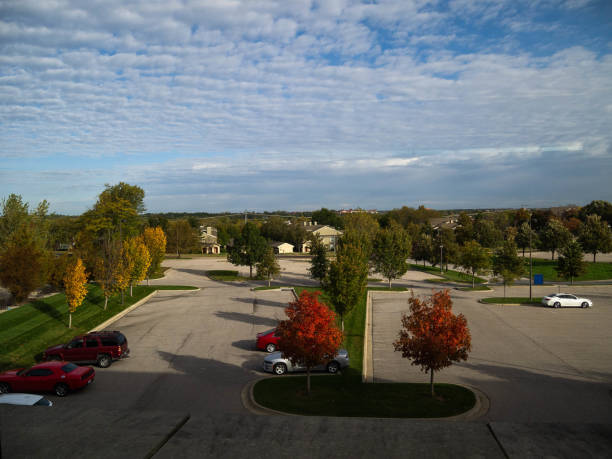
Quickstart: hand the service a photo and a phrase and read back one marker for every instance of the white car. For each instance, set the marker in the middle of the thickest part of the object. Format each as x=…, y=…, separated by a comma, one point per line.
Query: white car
x=24, y=399
x=279, y=365
x=557, y=300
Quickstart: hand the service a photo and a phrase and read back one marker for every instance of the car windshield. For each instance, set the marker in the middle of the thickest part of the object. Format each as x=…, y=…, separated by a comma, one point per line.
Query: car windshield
x=22, y=371
x=69, y=367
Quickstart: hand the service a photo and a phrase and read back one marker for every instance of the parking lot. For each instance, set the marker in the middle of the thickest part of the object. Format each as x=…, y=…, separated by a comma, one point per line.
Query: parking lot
x=534, y=363
x=192, y=354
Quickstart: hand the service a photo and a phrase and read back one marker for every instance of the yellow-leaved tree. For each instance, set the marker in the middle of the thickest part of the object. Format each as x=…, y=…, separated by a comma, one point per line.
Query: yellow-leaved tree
x=155, y=240
x=140, y=260
x=121, y=272
x=75, y=284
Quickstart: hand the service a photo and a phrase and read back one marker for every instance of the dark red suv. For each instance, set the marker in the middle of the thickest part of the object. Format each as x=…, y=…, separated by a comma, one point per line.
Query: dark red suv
x=100, y=347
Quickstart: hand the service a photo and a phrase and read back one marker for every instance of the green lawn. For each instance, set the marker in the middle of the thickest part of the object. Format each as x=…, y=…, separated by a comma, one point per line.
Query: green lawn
x=28, y=330
x=224, y=275
x=474, y=289
x=451, y=275
x=595, y=271
x=513, y=300
x=337, y=396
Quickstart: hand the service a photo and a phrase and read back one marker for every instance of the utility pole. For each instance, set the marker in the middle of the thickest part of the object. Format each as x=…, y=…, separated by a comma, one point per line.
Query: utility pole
x=530, y=260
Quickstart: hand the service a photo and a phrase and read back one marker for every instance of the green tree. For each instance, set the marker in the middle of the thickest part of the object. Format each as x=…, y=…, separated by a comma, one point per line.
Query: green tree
x=423, y=248
x=392, y=247
x=570, y=262
x=364, y=226
x=268, y=267
x=319, y=262
x=348, y=274
x=465, y=228
x=249, y=248
x=181, y=238
x=595, y=236
x=474, y=259
x=14, y=215
x=601, y=208
x=486, y=233
x=554, y=236
x=327, y=217
x=526, y=237
x=507, y=263
x=23, y=263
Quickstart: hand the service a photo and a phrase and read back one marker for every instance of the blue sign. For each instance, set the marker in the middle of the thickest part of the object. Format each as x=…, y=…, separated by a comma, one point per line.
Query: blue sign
x=538, y=279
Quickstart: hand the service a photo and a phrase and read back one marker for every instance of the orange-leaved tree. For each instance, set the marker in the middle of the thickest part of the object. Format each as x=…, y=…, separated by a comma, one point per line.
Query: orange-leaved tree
x=75, y=286
x=310, y=336
x=432, y=336
x=155, y=240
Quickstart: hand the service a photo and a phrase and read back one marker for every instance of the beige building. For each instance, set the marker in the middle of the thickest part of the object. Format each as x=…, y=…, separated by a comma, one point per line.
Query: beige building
x=208, y=240
x=281, y=247
x=329, y=236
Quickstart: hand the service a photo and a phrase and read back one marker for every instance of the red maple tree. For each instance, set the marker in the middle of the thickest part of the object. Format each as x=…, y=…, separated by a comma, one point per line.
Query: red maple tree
x=310, y=336
x=432, y=336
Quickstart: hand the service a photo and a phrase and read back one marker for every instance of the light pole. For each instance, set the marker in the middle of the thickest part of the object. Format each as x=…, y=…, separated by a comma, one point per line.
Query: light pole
x=441, y=246
x=530, y=262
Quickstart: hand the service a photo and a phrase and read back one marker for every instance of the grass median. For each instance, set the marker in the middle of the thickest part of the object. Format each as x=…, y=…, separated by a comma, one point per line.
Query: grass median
x=335, y=396
x=26, y=331
x=347, y=395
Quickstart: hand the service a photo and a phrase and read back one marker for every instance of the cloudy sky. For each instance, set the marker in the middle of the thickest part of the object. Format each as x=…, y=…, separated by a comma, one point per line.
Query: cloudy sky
x=214, y=105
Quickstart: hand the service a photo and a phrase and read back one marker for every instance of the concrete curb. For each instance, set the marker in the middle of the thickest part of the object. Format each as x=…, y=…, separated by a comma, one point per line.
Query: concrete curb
x=116, y=317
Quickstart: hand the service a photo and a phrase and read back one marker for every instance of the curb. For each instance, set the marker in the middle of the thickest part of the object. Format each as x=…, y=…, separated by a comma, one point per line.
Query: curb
x=116, y=317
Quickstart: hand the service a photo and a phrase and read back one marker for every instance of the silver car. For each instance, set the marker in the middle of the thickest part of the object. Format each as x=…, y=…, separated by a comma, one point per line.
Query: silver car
x=557, y=300
x=277, y=363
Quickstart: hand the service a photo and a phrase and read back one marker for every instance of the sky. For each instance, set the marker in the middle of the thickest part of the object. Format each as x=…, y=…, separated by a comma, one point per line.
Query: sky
x=230, y=105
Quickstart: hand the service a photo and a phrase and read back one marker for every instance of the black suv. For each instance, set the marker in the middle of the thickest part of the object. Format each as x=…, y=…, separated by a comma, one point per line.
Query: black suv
x=100, y=347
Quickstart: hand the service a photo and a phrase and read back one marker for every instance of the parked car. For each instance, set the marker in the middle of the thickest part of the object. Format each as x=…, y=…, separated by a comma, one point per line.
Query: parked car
x=96, y=347
x=557, y=300
x=58, y=377
x=24, y=399
x=267, y=341
x=277, y=363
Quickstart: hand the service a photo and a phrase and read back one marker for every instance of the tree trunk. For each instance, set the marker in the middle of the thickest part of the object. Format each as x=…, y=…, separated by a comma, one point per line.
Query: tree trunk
x=131, y=293
x=431, y=382
x=342, y=323
x=389, y=283
x=553, y=254
x=147, y=281
x=269, y=281
x=308, y=381
x=504, y=289
x=105, y=302
x=69, y=320
x=250, y=271
x=473, y=279
x=594, y=253
x=122, y=292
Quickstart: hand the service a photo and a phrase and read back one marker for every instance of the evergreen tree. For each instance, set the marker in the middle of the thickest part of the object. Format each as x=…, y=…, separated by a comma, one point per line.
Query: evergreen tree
x=319, y=262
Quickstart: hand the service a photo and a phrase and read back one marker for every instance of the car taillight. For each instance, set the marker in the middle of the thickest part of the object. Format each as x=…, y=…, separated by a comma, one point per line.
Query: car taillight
x=119, y=350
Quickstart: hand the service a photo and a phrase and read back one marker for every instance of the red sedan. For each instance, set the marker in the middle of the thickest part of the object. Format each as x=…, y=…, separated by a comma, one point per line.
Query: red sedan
x=58, y=377
x=267, y=341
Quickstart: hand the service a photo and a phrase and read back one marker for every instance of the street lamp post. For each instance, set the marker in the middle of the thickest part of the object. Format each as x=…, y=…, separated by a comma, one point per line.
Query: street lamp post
x=530, y=261
x=441, y=246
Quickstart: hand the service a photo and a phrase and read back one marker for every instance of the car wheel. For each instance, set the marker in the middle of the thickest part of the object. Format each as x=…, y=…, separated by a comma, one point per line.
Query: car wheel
x=333, y=367
x=270, y=347
x=557, y=304
x=4, y=388
x=280, y=369
x=61, y=390
x=104, y=361
x=585, y=304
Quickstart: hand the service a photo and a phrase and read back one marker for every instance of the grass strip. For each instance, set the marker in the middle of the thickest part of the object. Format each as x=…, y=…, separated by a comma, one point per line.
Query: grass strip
x=451, y=275
x=339, y=396
x=512, y=300
x=474, y=289
x=594, y=271
x=224, y=275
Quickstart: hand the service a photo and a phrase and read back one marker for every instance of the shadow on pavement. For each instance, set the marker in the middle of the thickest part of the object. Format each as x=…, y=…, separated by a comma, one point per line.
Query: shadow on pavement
x=246, y=318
